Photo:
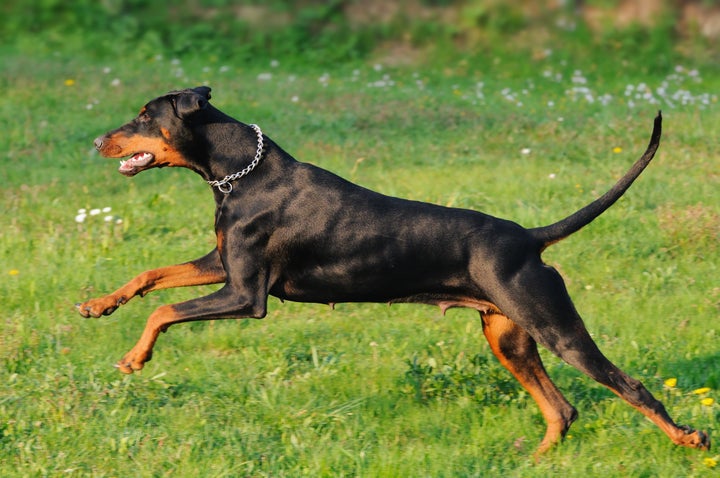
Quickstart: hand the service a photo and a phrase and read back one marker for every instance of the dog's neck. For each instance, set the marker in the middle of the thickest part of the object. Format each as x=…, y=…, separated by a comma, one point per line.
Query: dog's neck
x=225, y=185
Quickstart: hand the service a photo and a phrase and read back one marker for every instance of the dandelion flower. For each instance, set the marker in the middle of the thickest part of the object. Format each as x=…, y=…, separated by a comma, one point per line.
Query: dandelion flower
x=700, y=391
x=14, y=272
x=69, y=82
x=671, y=382
x=617, y=149
x=710, y=462
x=707, y=401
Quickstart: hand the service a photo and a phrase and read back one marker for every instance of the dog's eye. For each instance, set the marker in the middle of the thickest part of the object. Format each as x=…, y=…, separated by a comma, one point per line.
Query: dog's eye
x=143, y=117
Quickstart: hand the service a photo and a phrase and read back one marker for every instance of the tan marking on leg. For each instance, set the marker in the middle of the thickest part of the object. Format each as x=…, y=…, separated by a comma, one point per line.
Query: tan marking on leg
x=180, y=275
x=523, y=361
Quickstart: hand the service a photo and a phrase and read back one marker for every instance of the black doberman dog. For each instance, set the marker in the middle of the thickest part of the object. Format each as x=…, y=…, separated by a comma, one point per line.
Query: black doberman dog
x=300, y=233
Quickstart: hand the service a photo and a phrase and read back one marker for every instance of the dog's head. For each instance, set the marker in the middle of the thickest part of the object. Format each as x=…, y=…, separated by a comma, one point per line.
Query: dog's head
x=155, y=137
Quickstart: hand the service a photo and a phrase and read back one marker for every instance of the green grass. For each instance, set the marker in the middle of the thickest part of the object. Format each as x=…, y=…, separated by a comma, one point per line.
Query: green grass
x=364, y=390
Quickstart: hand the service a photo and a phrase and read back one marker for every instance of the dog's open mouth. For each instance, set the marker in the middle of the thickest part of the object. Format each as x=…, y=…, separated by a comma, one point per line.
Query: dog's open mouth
x=136, y=163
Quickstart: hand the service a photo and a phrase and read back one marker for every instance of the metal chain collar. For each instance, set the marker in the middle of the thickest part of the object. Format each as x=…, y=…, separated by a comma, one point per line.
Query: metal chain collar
x=223, y=184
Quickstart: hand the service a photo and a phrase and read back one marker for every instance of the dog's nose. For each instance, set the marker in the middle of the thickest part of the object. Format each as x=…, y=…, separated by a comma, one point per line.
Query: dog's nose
x=98, y=142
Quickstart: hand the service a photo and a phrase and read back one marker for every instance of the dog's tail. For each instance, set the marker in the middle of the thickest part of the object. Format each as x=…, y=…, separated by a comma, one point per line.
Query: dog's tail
x=553, y=233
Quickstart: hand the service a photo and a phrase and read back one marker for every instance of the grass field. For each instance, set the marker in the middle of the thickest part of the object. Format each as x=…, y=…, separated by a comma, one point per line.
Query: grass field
x=362, y=390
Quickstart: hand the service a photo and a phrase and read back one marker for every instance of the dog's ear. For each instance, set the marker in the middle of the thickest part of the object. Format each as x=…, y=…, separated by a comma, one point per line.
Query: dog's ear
x=203, y=91
x=190, y=101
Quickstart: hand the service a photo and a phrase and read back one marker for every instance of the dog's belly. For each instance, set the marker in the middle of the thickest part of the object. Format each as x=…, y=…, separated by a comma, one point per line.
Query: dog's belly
x=400, y=280
x=443, y=297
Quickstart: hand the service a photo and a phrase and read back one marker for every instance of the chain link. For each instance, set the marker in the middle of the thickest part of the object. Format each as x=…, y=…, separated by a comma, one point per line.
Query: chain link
x=223, y=184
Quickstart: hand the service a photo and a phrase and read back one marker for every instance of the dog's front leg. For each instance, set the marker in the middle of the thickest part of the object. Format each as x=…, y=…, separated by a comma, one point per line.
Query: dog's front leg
x=206, y=270
x=227, y=303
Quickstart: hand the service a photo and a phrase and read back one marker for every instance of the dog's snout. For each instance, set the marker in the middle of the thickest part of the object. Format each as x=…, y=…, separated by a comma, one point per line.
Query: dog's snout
x=98, y=142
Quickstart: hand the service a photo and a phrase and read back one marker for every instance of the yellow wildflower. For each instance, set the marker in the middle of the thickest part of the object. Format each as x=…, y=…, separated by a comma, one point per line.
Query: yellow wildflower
x=69, y=82
x=14, y=272
x=617, y=149
x=710, y=462
x=700, y=391
x=671, y=382
x=707, y=401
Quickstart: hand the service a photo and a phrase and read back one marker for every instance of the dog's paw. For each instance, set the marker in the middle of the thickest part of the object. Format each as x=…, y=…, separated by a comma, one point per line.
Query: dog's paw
x=99, y=307
x=133, y=361
x=694, y=438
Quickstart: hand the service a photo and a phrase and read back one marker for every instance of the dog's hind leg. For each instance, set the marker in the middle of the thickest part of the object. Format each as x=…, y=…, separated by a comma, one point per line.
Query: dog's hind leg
x=548, y=314
x=517, y=351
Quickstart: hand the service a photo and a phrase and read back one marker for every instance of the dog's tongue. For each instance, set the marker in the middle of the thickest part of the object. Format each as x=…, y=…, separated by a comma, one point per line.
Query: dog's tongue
x=137, y=160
